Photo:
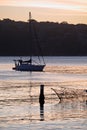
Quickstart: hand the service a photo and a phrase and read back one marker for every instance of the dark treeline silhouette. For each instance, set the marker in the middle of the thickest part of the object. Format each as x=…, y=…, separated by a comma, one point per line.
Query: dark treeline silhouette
x=56, y=39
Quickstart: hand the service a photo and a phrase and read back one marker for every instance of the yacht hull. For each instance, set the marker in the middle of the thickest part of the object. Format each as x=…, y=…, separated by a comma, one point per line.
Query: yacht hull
x=29, y=67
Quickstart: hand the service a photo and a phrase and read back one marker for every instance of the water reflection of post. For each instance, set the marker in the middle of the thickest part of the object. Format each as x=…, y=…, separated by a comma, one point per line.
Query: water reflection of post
x=86, y=102
x=42, y=112
x=86, y=92
x=41, y=101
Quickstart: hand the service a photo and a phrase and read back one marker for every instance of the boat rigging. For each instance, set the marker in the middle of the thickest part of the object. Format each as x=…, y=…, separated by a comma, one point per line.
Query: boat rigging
x=31, y=64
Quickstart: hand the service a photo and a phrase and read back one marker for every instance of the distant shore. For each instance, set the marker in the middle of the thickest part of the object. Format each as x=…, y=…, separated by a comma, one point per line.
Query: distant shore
x=55, y=39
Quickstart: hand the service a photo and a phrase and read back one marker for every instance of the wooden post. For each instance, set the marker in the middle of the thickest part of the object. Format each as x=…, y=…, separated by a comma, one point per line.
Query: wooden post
x=41, y=97
x=86, y=90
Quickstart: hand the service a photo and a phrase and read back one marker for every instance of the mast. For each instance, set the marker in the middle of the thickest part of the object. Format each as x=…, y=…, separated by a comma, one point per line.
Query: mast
x=29, y=16
x=30, y=37
x=31, y=40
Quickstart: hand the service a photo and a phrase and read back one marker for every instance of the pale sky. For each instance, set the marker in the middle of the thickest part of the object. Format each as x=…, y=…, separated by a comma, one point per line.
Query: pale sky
x=72, y=11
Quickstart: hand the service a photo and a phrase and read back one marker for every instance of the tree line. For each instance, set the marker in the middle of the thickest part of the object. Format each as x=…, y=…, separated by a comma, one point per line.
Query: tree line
x=47, y=38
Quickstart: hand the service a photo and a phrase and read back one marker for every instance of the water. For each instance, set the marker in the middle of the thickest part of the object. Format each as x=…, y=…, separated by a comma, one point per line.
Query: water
x=19, y=95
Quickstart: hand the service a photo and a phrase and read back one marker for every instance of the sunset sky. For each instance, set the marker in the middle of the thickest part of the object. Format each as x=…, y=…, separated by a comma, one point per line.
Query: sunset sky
x=72, y=11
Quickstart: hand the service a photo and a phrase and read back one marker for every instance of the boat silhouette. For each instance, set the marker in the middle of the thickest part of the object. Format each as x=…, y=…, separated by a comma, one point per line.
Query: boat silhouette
x=31, y=64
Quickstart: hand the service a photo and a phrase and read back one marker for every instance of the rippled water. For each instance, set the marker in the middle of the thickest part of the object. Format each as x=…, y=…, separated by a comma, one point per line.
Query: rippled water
x=19, y=95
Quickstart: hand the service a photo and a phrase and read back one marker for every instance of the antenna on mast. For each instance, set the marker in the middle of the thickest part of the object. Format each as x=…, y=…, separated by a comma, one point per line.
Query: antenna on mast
x=29, y=15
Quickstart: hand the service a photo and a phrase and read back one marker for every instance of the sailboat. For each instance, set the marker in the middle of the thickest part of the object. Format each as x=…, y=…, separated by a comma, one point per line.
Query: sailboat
x=29, y=65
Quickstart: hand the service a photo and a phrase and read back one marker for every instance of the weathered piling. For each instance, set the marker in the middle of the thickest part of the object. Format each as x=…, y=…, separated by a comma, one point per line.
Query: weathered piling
x=41, y=96
x=86, y=90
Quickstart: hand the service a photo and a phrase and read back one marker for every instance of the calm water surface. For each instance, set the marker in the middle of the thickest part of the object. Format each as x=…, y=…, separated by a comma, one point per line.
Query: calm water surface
x=19, y=95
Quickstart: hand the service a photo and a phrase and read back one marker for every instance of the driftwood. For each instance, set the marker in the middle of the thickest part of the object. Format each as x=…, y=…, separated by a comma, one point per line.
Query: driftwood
x=68, y=93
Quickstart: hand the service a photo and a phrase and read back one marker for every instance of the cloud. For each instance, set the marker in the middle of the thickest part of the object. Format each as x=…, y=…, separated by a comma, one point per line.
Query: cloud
x=75, y=5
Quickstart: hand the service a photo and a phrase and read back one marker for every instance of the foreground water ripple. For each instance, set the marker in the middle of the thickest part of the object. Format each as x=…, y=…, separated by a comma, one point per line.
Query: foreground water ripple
x=19, y=96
